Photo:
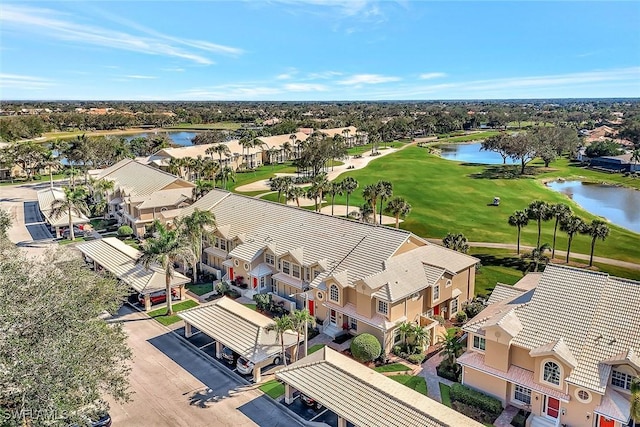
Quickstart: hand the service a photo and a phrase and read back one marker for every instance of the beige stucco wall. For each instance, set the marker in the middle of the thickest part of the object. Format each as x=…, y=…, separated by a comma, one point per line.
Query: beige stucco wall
x=496, y=355
x=396, y=310
x=486, y=383
x=350, y=296
x=415, y=306
x=364, y=305
x=537, y=372
x=520, y=357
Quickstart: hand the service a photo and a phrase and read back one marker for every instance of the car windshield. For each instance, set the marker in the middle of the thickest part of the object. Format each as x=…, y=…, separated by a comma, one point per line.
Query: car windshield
x=243, y=361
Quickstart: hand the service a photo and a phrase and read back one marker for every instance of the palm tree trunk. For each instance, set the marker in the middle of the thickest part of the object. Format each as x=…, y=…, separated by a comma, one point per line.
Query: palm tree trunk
x=347, y=205
x=569, y=247
x=332, y=201
x=50, y=178
x=539, y=231
x=553, y=248
x=284, y=356
x=397, y=220
x=380, y=222
x=71, y=233
x=518, y=240
x=168, y=293
x=593, y=245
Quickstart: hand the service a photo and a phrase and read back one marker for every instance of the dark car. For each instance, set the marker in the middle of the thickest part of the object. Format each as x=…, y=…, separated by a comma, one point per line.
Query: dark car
x=103, y=421
x=158, y=297
x=229, y=355
x=76, y=232
x=310, y=402
x=99, y=419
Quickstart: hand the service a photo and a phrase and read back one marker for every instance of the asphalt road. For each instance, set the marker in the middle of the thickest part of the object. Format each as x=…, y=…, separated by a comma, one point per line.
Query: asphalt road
x=34, y=222
x=174, y=385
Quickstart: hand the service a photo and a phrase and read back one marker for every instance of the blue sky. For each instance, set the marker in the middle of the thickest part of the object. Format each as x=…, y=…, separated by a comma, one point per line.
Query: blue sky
x=318, y=50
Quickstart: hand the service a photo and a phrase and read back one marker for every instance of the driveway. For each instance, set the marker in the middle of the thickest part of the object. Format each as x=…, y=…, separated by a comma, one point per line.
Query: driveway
x=174, y=385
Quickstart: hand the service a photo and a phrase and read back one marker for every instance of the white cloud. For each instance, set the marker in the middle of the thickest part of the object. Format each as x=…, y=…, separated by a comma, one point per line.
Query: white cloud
x=50, y=24
x=229, y=92
x=323, y=75
x=140, y=77
x=15, y=81
x=428, y=76
x=305, y=87
x=369, y=79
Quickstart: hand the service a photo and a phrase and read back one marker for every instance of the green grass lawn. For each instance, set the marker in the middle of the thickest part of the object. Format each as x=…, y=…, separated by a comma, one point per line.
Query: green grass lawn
x=133, y=243
x=159, y=314
x=449, y=196
x=466, y=138
x=315, y=348
x=200, y=288
x=366, y=149
x=445, y=394
x=416, y=383
x=251, y=306
x=77, y=240
x=393, y=367
x=260, y=173
x=273, y=388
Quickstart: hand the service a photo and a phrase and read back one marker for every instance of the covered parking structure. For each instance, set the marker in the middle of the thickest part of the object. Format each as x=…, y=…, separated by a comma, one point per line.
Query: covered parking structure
x=239, y=328
x=46, y=198
x=117, y=257
x=362, y=396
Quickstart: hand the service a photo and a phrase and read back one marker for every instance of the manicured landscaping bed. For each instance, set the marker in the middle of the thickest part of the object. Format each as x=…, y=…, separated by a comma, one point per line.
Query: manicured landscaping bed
x=416, y=383
x=445, y=391
x=273, y=388
x=200, y=288
x=393, y=367
x=251, y=306
x=315, y=348
x=159, y=314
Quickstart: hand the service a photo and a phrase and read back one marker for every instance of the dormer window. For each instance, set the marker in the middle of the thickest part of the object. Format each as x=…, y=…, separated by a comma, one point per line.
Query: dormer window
x=296, y=270
x=621, y=380
x=269, y=259
x=383, y=307
x=334, y=293
x=286, y=267
x=551, y=373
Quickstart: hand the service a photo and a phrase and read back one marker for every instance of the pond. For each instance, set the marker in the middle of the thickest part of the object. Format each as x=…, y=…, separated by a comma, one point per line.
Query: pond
x=619, y=205
x=471, y=153
x=178, y=137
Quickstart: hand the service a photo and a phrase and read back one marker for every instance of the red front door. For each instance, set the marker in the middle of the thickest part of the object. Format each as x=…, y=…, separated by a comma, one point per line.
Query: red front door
x=436, y=310
x=255, y=282
x=230, y=273
x=605, y=422
x=553, y=407
x=311, y=307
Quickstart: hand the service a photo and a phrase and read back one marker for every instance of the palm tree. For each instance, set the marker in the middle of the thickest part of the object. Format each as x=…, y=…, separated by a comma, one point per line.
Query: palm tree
x=421, y=337
x=300, y=320
x=366, y=212
x=451, y=346
x=195, y=228
x=349, y=185
x=458, y=242
x=539, y=211
x=295, y=193
x=103, y=187
x=221, y=149
x=202, y=187
x=72, y=173
x=598, y=229
x=634, y=408
x=635, y=156
x=335, y=188
x=166, y=249
x=405, y=329
x=210, y=169
x=370, y=194
x=560, y=212
x=571, y=225
x=286, y=150
x=75, y=201
x=319, y=185
x=398, y=207
x=50, y=161
x=175, y=167
x=519, y=219
x=281, y=184
x=537, y=256
x=227, y=174
x=385, y=190
x=281, y=325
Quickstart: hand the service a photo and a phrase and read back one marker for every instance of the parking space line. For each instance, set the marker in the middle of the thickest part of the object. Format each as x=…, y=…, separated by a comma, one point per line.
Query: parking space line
x=319, y=414
x=206, y=345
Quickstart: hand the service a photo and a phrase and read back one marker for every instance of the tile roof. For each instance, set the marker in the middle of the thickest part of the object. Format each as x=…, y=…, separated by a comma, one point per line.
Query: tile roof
x=163, y=198
x=614, y=405
x=46, y=198
x=139, y=179
x=503, y=292
x=120, y=259
x=238, y=327
x=364, y=396
x=276, y=141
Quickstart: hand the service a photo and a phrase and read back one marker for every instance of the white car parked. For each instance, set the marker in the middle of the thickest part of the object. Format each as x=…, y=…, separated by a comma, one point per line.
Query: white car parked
x=245, y=367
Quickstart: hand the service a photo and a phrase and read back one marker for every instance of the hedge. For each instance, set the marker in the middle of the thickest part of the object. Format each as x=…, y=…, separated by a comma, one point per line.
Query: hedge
x=450, y=372
x=472, y=397
x=416, y=358
x=365, y=348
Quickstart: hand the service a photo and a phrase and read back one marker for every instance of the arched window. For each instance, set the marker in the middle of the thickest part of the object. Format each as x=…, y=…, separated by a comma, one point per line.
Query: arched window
x=552, y=373
x=334, y=293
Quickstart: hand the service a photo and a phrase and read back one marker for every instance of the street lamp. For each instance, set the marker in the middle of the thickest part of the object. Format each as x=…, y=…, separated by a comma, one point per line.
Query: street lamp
x=306, y=324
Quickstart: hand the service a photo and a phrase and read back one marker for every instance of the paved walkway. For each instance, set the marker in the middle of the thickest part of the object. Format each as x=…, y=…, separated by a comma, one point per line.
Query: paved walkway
x=505, y=418
x=431, y=377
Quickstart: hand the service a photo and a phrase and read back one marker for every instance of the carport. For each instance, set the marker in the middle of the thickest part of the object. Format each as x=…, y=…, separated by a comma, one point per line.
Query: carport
x=113, y=255
x=362, y=396
x=45, y=200
x=240, y=328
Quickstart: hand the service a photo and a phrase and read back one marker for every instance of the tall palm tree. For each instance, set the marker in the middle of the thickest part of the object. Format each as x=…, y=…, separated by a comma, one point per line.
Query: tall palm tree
x=221, y=149
x=366, y=212
x=75, y=201
x=295, y=193
x=319, y=185
x=197, y=227
x=335, y=188
x=519, y=219
x=560, y=212
x=370, y=194
x=166, y=249
x=349, y=185
x=421, y=337
x=385, y=190
x=539, y=211
x=209, y=170
x=287, y=149
x=300, y=320
x=281, y=325
x=50, y=161
x=175, y=167
x=398, y=207
x=227, y=174
x=456, y=241
x=72, y=173
x=571, y=225
x=598, y=229
x=634, y=407
x=537, y=256
x=103, y=187
x=405, y=329
x=202, y=187
x=451, y=345
x=635, y=156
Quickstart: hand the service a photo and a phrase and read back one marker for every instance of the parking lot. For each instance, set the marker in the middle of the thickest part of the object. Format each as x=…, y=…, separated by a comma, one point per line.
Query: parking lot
x=322, y=415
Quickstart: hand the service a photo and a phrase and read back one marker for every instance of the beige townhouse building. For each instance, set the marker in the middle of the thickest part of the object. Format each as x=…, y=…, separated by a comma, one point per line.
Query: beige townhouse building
x=563, y=344
x=356, y=277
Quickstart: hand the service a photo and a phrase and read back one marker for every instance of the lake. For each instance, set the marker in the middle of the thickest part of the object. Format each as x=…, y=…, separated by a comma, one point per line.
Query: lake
x=620, y=205
x=178, y=137
x=471, y=153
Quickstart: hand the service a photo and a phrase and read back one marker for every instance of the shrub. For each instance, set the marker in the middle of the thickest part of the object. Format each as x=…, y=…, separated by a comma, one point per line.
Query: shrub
x=520, y=419
x=461, y=317
x=474, y=398
x=448, y=371
x=262, y=301
x=125, y=231
x=365, y=348
x=416, y=359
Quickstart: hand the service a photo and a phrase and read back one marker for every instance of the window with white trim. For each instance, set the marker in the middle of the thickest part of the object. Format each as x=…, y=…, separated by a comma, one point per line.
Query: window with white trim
x=383, y=307
x=353, y=324
x=454, y=305
x=286, y=267
x=479, y=343
x=448, y=283
x=296, y=270
x=551, y=373
x=436, y=292
x=621, y=380
x=316, y=273
x=269, y=258
x=397, y=337
x=262, y=282
x=334, y=293
x=522, y=394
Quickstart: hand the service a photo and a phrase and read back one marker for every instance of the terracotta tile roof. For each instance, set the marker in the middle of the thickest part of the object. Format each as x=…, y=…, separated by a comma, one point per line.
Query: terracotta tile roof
x=503, y=292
